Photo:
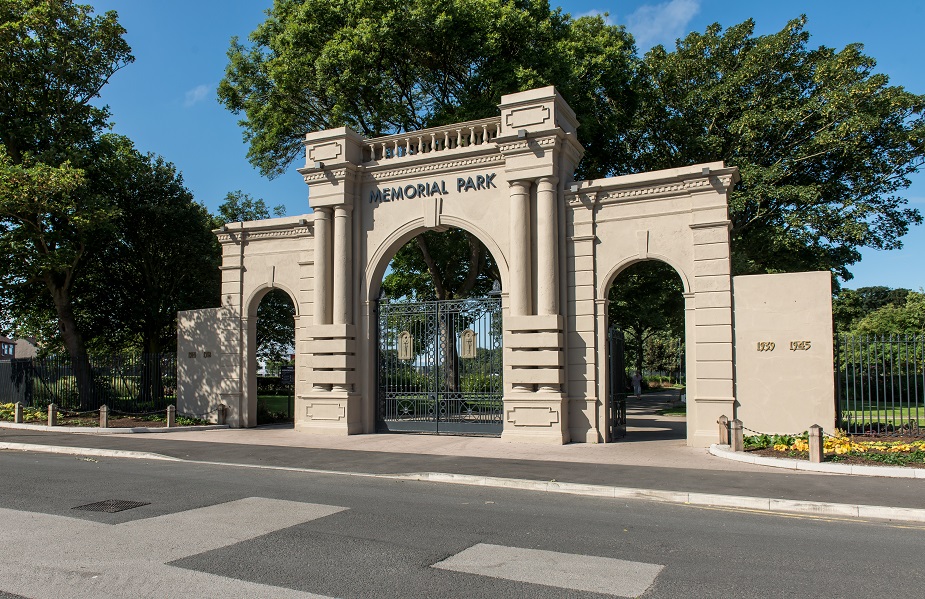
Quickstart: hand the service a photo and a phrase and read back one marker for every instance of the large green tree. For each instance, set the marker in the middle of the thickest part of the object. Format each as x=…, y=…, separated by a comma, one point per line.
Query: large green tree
x=646, y=301
x=239, y=207
x=906, y=318
x=57, y=57
x=438, y=266
x=849, y=306
x=386, y=66
x=823, y=143
x=158, y=258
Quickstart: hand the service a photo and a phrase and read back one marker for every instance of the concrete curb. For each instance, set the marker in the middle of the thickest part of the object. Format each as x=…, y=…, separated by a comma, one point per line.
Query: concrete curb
x=722, y=451
x=760, y=504
x=95, y=430
x=764, y=504
x=87, y=451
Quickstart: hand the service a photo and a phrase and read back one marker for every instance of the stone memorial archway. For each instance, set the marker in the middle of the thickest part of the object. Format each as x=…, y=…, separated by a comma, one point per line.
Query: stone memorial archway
x=558, y=243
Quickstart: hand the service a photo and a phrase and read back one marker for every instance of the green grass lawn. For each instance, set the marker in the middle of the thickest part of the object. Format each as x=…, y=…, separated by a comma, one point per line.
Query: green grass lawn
x=886, y=414
x=675, y=411
x=280, y=405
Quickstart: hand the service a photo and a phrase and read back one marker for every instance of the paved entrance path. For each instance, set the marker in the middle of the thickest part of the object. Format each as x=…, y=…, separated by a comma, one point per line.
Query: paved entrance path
x=660, y=462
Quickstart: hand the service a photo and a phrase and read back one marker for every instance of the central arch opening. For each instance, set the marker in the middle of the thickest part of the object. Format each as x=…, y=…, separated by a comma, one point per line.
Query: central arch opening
x=646, y=350
x=439, y=337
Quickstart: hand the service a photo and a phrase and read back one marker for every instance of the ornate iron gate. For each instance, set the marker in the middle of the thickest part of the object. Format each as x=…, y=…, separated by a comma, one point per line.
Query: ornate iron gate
x=617, y=391
x=440, y=366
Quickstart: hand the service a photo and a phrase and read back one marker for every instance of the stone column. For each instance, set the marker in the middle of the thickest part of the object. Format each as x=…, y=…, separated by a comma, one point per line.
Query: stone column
x=547, y=248
x=322, y=307
x=547, y=256
x=342, y=240
x=520, y=295
x=322, y=266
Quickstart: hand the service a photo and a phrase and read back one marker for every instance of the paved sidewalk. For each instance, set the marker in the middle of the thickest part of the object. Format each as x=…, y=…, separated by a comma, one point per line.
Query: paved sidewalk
x=570, y=463
x=653, y=457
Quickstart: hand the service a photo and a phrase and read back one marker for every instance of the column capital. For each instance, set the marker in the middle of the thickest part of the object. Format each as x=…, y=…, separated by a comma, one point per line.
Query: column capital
x=343, y=209
x=323, y=212
x=547, y=180
x=524, y=183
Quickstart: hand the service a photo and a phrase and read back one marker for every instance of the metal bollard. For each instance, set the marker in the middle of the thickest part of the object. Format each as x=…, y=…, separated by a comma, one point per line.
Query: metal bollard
x=52, y=415
x=723, y=423
x=737, y=436
x=816, y=446
x=17, y=413
x=171, y=416
x=222, y=413
x=104, y=416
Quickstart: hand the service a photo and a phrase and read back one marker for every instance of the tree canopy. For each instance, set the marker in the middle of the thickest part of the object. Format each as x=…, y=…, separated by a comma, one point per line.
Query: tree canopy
x=158, y=257
x=849, y=306
x=239, y=207
x=57, y=57
x=386, y=66
x=450, y=265
x=907, y=318
x=824, y=144
x=647, y=301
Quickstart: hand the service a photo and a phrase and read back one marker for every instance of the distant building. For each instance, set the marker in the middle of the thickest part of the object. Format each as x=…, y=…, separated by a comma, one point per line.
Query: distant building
x=7, y=348
x=25, y=348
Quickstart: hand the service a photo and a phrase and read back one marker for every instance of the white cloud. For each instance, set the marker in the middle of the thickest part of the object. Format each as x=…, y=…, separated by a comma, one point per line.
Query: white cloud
x=196, y=95
x=663, y=23
x=608, y=18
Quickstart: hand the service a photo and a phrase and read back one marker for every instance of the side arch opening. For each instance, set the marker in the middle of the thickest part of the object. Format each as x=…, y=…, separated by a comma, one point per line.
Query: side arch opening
x=271, y=357
x=646, y=341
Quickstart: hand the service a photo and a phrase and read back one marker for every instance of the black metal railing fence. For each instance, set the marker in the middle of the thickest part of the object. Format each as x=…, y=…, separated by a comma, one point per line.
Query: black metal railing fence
x=880, y=384
x=126, y=383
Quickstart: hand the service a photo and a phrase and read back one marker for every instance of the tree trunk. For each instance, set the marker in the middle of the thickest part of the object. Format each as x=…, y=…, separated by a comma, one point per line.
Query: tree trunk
x=151, y=391
x=73, y=342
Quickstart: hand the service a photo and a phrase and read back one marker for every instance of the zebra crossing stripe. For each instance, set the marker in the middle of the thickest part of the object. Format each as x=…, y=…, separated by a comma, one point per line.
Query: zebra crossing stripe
x=603, y=575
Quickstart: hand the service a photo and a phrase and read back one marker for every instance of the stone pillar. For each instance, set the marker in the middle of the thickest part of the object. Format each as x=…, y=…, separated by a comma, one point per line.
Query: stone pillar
x=323, y=308
x=342, y=274
x=547, y=248
x=520, y=295
x=521, y=264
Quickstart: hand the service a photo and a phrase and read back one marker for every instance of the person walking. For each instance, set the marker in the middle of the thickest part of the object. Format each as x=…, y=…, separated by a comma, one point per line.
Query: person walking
x=637, y=384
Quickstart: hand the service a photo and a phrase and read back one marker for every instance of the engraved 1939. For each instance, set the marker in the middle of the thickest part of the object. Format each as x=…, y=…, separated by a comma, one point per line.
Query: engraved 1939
x=766, y=346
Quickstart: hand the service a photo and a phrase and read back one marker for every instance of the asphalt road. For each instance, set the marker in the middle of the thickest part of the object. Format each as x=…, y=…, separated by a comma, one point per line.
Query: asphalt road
x=225, y=531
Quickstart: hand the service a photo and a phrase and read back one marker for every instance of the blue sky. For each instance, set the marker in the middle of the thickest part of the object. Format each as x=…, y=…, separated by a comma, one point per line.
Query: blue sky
x=165, y=101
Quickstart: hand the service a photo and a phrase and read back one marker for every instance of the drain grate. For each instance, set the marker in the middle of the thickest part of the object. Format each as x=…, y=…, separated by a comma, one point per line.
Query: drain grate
x=111, y=506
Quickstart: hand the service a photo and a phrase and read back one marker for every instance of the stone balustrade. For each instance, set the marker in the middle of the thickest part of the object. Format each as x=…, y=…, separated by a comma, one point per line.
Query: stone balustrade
x=429, y=141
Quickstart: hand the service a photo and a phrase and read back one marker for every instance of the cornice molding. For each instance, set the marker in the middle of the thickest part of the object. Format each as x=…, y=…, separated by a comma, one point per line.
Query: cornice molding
x=320, y=176
x=656, y=190
x=434, y=167
x=524, y=145
x=289, y=232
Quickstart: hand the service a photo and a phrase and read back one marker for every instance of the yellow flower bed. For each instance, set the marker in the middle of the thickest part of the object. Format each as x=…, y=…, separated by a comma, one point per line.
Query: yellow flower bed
x=841, y=444
x=28, y=414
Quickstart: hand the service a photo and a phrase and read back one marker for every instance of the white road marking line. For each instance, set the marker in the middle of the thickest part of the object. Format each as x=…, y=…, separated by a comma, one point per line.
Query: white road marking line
x=58, y=556
x=564, y=570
